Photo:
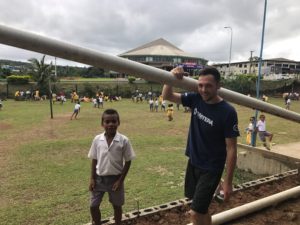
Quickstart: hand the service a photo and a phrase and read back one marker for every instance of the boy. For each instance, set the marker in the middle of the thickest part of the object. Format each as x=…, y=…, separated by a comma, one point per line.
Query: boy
x=108, y=152
x=250, y=130
x=262, y=132
x=76, y=110
x=170, y=112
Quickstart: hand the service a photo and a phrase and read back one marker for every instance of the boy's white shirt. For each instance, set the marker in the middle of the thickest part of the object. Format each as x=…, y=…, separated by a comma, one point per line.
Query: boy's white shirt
x=261, y=126
x=110, y=159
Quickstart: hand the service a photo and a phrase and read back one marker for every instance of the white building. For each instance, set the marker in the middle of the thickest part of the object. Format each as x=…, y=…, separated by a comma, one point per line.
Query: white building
x=277, y=66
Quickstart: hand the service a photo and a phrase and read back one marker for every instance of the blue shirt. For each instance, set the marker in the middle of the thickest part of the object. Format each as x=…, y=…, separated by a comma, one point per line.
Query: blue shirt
x=210, y=125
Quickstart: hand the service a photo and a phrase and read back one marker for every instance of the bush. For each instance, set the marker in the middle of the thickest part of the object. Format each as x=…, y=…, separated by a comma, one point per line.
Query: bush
x=131, y=79
x=14, y=79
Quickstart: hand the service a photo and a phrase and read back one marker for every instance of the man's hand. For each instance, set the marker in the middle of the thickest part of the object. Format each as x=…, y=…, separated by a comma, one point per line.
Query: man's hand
x=178, y=72
x=227, y=189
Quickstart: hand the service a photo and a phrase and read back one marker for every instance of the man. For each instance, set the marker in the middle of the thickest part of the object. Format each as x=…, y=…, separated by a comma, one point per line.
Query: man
x=212, y=141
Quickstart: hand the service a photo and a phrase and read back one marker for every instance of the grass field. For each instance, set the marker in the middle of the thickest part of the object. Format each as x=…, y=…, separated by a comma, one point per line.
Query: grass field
x=44, y=171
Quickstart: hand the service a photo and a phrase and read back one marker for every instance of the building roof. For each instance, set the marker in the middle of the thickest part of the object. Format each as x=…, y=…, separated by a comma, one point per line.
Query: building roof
x=157, y=47
x=282, y=60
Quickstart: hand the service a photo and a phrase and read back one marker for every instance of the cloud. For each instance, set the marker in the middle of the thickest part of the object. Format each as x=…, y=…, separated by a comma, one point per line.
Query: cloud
x=195, y=26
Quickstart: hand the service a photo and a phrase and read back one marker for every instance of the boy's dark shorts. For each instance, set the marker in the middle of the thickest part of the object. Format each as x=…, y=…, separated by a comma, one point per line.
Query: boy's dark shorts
x=200, y=186
x=263, y=134
x=105, y=184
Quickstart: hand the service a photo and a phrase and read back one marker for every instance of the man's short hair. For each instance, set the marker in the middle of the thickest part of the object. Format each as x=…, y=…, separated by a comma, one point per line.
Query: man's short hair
x=209, y=70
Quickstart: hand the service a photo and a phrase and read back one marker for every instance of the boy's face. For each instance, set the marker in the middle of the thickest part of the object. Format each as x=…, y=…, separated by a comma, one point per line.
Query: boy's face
x=110, y=123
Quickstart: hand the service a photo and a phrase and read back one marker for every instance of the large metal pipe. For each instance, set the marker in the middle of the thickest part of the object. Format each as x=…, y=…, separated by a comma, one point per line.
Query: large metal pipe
x=255, y=206
x=38, y=43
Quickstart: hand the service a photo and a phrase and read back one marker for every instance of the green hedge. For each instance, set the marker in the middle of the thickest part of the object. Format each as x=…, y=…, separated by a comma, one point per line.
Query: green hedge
x=126, y=89
x=15, y=79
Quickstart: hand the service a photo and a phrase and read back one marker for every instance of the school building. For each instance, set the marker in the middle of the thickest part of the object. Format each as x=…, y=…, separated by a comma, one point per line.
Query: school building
x=276, y=67
x=164, y=55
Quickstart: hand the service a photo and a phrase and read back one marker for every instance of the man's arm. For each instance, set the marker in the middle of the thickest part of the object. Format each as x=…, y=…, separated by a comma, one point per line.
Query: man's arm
x=167, y=92
x=170, y=95
x=231, y=146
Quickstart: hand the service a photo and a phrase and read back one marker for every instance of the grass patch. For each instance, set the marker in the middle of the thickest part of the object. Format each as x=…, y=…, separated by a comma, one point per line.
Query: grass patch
x=45, y=172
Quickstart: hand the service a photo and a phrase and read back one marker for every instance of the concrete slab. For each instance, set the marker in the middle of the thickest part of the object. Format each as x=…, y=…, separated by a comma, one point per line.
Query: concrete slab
x=291, y=149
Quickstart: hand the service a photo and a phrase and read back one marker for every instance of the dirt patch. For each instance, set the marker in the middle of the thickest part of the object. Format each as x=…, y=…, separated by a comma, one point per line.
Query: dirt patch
x=48, y=129
x=287, y=213
x=5, y=126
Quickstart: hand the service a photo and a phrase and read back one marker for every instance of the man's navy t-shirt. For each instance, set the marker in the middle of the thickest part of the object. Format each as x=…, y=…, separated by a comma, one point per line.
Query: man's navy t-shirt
x=210, y=125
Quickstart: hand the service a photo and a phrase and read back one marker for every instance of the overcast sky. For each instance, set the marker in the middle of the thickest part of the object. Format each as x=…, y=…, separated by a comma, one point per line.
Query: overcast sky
x=195, y=26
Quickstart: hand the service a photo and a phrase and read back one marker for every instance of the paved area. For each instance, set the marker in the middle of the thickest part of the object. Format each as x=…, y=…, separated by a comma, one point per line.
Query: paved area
x=291, y=149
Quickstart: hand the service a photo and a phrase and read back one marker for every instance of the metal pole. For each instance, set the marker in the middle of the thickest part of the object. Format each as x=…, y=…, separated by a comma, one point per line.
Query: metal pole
x=230, y=49
x=253, y=139
x=34, y=42
x=55, y=67
x=50, y=99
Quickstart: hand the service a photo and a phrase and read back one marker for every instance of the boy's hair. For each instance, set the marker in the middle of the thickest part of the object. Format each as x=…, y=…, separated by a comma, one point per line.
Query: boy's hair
x=262, y=116
x=209, y=70
x=110, y=112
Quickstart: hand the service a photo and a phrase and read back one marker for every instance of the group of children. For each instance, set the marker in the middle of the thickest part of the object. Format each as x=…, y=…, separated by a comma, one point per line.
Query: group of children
x=153, y=106
x=260, y=127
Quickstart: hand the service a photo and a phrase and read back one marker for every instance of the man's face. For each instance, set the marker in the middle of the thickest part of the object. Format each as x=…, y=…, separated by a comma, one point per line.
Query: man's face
x=208, y=87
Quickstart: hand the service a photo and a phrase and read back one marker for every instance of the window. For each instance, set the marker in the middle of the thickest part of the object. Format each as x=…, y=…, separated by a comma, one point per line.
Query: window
x=149, y=59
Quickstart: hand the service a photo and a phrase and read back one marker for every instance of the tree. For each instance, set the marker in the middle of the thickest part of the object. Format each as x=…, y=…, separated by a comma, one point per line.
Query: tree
x=4, y=72
x=41, y=73
x=94, y=72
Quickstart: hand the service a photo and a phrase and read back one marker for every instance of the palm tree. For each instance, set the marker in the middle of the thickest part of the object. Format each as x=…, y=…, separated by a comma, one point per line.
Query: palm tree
x=41, y=73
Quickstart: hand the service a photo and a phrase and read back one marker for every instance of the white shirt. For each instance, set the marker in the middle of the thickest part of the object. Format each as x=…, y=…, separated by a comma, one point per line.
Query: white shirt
x=250, y=127
x=110, y=159
x=261, y=126
x=77, y=106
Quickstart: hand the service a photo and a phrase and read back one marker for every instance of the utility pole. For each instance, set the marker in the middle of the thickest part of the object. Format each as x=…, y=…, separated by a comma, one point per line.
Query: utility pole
x=55, y=67
x=230, y=49
x=250, y=61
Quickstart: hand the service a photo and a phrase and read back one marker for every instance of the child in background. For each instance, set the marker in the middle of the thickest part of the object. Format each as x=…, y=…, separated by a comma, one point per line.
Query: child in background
x=111, y=154
x=76, y=110
x=163, y=105
x=151, y=103
x=156, y=103
x=250, y=130
x=288, y=103
x=264, y=135
x=170, y=112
